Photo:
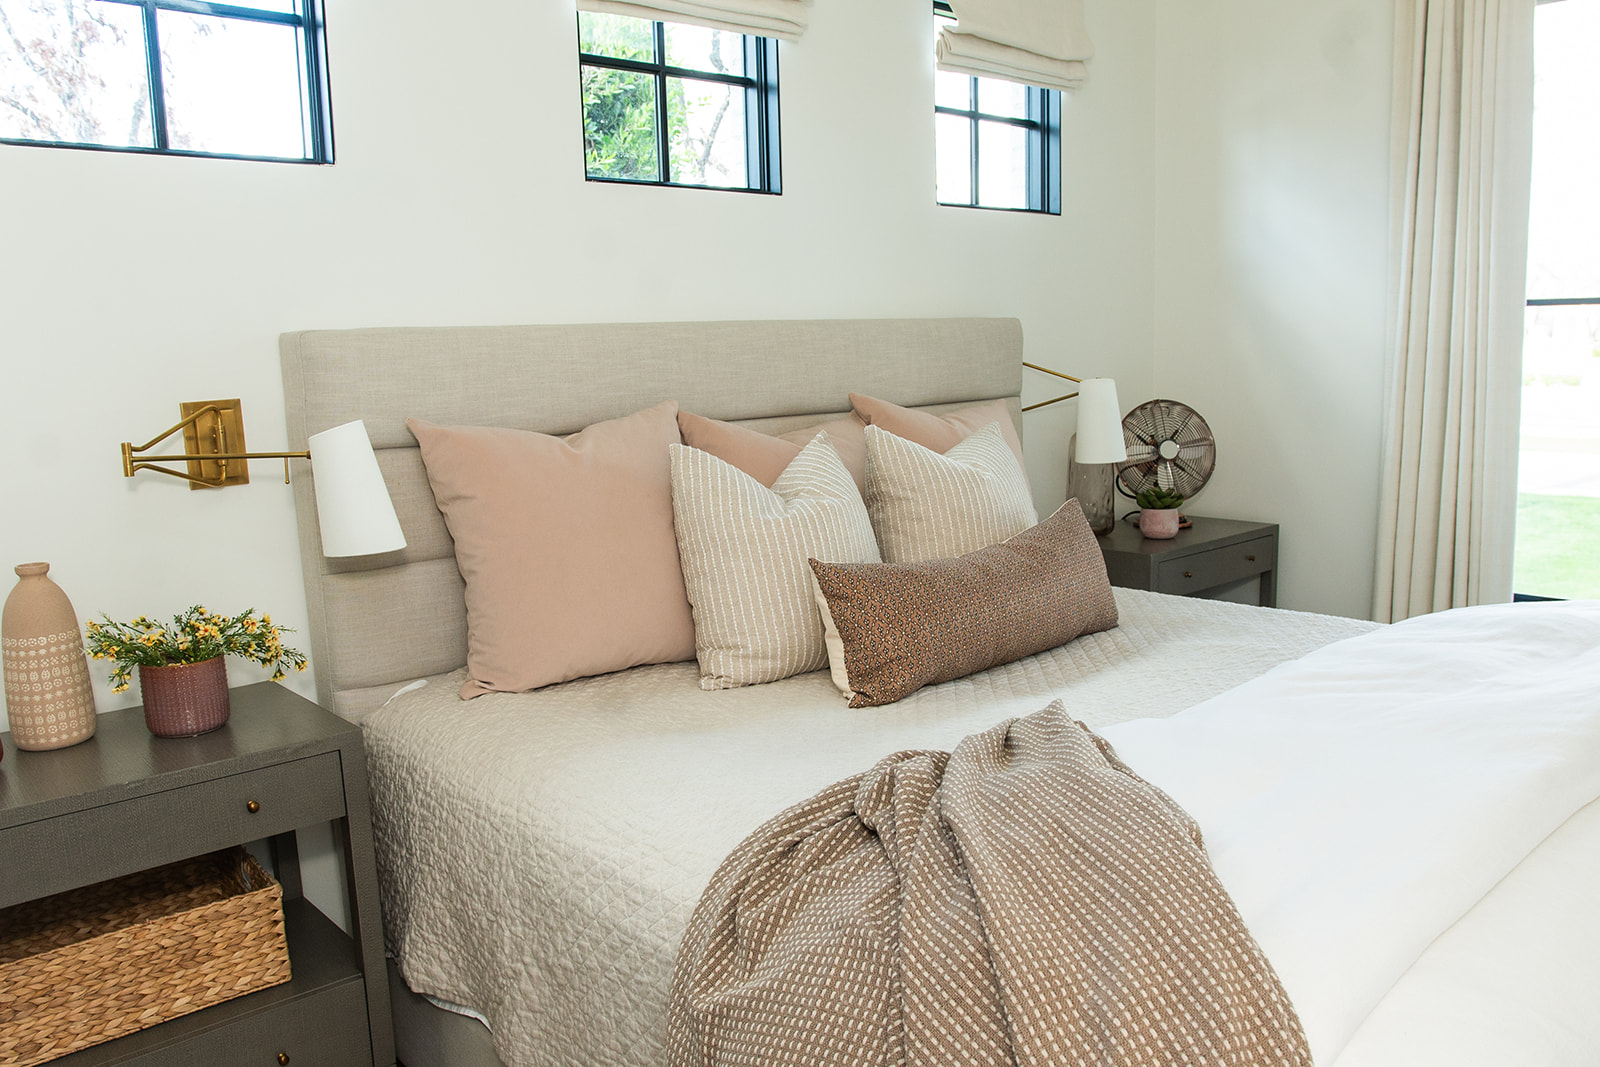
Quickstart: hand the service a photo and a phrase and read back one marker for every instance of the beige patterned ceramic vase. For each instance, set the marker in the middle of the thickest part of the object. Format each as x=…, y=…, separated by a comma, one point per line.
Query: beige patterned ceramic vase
x=48, y=695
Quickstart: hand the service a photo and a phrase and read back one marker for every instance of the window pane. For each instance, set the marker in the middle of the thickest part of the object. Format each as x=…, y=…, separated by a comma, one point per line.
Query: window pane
x=232, y=86
x=698, y=48
x=1558, y=477
x=706, y=133
x=1564, y=225
x=952, y=90
x=1002, y=165
x=617, y=36
x=74, y=71
x=619, y=125
x=997, y=97
x=953, y=135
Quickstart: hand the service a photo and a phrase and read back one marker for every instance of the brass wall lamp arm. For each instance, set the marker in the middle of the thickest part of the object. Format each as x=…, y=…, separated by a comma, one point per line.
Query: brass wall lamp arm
x=1052, y=400
x=218, y=424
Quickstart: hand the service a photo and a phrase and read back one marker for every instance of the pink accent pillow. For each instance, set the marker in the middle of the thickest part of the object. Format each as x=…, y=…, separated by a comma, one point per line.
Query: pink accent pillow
x=764, y=456
x=941, y=433
x=566, y=545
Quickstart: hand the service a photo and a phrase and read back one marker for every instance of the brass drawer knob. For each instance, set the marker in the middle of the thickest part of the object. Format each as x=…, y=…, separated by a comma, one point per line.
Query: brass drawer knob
x=1252, y=559
x=1188, y=574
x=283, y=1057
x=252, y=807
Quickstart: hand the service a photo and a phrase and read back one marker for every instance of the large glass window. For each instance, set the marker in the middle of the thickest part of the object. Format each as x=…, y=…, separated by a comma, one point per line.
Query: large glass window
x=667, y=104
x=997, y=143
x=1558, y=502
x=176, y=76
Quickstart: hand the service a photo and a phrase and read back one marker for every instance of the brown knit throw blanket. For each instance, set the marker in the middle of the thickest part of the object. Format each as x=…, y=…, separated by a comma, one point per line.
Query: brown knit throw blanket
x=1026, y=899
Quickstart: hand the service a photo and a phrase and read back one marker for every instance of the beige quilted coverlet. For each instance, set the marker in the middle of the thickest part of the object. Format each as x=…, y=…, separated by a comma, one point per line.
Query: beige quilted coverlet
x=1026, y=899
x=541, y=853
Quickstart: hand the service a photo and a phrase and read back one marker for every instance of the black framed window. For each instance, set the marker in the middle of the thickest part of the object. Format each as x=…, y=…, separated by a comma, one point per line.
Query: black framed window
x=997, y=143
x=669, y=104
x=179, y=77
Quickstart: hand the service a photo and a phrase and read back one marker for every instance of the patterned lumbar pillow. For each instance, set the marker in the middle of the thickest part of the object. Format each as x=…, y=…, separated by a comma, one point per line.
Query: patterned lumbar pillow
x=930, y=506
x=893, y=628
x=744, y=549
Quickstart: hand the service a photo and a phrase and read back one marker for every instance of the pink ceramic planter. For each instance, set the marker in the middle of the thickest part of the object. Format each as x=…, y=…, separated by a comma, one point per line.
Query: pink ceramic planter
x=1158, y=524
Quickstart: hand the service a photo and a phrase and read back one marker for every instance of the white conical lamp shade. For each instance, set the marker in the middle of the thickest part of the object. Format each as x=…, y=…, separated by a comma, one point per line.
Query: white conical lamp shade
x=1099, y=423
x=353, y=507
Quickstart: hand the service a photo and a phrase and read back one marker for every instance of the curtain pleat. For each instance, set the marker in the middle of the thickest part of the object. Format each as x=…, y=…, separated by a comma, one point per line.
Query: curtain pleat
x=1035, y=42
x=785, y=19
x=1463, y=153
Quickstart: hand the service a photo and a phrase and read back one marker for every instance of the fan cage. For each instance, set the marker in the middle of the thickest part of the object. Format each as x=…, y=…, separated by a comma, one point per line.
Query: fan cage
x=1146, y=429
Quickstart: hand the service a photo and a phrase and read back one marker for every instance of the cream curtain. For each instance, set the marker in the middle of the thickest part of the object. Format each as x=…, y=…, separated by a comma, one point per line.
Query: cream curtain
x=1463, y=156
x=1035, y=42
x=785, y=19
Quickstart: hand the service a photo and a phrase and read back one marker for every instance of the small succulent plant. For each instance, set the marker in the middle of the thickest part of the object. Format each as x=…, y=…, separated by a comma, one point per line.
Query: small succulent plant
x=1158, y=499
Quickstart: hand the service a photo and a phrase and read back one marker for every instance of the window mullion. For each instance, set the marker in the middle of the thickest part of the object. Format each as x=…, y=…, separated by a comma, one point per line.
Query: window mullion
x=317, y=141
x=972, y=140
x=158, y=96
x=1037, y=176
x=663, y=155
x=755, y=125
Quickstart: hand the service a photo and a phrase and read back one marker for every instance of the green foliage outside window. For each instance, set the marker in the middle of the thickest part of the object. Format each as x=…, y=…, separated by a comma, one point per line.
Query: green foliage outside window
x=619, y=128
x=704, y=124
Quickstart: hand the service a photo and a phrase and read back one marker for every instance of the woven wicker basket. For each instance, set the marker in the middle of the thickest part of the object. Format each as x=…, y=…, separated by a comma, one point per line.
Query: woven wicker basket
x=93, y=964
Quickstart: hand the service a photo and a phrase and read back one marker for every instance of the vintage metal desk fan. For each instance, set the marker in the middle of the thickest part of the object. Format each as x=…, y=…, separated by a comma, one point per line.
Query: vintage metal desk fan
x=1169, y=446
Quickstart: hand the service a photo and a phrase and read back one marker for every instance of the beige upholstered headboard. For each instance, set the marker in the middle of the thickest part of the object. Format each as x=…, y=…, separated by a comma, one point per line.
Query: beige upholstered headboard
x=380, y=621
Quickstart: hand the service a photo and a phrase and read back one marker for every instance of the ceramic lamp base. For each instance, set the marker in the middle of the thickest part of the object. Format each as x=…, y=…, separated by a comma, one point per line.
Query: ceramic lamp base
x=185, y=699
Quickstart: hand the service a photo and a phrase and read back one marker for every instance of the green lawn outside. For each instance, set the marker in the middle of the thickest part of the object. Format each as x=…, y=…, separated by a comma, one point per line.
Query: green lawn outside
x=1558, y=546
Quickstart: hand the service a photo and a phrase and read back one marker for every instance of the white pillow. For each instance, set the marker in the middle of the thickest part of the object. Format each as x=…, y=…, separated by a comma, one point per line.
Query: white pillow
x=744, y=549
x=925, y=505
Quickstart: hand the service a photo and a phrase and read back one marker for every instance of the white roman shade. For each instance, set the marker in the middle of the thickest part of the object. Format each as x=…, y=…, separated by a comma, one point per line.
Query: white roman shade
x=1035, y=42
x=784, y=19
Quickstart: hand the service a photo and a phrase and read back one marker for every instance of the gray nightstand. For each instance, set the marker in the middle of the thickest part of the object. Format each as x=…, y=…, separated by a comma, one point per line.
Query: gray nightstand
x=125, y=801
x=1210, y=554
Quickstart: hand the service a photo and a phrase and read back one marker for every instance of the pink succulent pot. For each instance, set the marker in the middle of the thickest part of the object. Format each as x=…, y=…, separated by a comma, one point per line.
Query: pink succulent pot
x=1158, y=524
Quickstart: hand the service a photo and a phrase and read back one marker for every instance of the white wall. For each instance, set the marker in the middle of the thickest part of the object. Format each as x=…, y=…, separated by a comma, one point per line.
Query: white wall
x=130, y=283
x=1271, y=208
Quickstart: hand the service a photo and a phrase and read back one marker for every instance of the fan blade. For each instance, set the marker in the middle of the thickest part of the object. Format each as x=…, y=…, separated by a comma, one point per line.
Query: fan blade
x=1183, y=425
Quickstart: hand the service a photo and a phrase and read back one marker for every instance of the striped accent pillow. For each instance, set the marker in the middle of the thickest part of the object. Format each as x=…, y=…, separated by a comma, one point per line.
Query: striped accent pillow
x=927, y=506
x=744, y=549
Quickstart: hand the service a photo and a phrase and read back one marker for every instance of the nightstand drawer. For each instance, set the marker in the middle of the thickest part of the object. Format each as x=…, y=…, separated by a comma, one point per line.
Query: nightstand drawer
x=132, y=835
x=1218, y=566
x=326, y=1029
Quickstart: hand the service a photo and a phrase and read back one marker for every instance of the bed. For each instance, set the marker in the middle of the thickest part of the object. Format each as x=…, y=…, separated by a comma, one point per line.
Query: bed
x=535, y=869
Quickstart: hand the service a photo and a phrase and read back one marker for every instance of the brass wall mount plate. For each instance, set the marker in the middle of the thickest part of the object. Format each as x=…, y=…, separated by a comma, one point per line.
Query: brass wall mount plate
x=219, y=432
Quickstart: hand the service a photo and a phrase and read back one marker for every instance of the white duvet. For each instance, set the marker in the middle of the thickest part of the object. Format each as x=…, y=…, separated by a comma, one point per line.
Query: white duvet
x=1359, y=801
x=541, y=853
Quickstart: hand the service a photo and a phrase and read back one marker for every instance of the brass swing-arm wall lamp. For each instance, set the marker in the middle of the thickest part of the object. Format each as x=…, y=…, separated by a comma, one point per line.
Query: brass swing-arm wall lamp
x=213, y=436
x=354, y=512
x=1095, y=450
x=1054, y=399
